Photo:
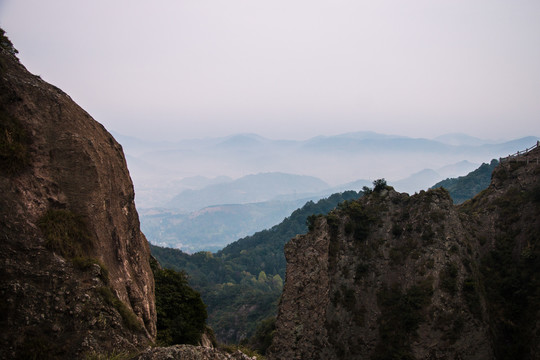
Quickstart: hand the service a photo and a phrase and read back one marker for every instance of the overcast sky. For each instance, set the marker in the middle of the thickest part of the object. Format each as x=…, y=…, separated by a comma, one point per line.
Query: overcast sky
x=289, y=69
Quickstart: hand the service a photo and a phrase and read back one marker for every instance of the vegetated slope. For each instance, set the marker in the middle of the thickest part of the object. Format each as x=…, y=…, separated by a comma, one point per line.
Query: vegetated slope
x=466, y=187
x=393, y=276
x=212, y=228
x=75, y=267
x=242, y=283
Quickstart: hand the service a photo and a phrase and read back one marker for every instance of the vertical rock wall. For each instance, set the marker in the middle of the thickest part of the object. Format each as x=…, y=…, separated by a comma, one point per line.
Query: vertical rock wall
x=65, y=162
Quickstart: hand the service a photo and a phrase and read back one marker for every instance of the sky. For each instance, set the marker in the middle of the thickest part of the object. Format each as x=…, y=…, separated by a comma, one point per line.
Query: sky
x=177, y=69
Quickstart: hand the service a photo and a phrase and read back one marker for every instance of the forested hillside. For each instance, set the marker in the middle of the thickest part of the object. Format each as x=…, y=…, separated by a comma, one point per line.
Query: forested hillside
x=466, y=187
x=241, y=284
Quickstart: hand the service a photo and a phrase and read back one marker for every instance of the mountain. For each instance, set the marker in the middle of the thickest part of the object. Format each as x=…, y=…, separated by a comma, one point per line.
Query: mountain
x=466, y=187
x=338, y=159
x=213, y=227
x=393, y=276
x=453, y=170
x=242, y=283
x=423, y=179
x=248, y=189
x=417, y=181
x=76, y=278
x=459, y=139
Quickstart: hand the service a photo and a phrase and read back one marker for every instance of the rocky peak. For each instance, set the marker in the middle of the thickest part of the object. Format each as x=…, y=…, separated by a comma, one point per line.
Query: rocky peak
x=75, y=266
x=399, y=276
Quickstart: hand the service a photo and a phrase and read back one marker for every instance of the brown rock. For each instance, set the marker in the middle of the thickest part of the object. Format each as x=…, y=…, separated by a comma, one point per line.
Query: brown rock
x=189, y=352
x=65, y=161
x=398, y=276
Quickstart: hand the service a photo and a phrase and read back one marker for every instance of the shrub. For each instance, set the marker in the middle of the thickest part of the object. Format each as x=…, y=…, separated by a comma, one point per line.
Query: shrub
x=379, y=185
x=448, y=278
x=181, y=313
x=262, y=339
x=361, y=219
x=471, y=297
x=401, y=314
x=14, y=142
x=397, y=230
x=65, y=233
x=362, y=270
x=130, y=319
x=86, y=263
x=310, y=221
x=6, y=44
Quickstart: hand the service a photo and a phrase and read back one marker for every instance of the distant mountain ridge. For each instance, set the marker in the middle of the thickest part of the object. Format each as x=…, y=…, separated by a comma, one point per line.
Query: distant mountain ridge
x=241, y=284
x=338, y=159
x=213, y=227
x=466, y=187
x=248, y=189
x=262, y=252
x=393, y=276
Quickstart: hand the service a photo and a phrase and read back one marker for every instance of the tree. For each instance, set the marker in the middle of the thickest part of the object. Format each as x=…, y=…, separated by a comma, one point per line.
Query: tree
x=181, y=313
x=379, y=185
x=6, y=44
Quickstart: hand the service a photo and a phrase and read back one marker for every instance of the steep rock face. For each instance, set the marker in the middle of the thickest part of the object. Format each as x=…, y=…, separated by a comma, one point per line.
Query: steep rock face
x=398, y=276
x=505, y=220
x=75, y=266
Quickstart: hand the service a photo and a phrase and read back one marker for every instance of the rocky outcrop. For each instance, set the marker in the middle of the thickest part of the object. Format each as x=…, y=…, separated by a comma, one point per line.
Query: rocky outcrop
x=75, y=266
x=415, y=277
x=189, y=352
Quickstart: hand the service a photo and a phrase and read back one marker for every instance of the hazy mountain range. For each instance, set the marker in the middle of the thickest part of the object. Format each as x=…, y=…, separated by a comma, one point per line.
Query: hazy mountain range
x=160, y=169
x=189, y=185
x=249, y=189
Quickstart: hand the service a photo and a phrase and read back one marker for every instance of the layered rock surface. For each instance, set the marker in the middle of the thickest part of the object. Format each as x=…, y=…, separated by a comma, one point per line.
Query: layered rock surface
x=65, y=177
x=415, y=277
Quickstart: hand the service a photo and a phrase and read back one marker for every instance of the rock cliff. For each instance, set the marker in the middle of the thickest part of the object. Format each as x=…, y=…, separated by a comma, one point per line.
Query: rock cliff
x=75, y=274
x=393, y=276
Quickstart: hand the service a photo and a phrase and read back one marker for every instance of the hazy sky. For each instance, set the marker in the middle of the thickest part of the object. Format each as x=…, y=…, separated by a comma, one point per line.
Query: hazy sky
x=289, y=69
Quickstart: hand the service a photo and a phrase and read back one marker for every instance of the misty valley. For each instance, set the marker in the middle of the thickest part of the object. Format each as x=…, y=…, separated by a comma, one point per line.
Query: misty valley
x=353, y=246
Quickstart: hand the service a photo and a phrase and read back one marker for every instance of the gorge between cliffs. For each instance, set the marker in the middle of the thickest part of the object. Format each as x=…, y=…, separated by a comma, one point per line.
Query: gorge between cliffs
x=387, y=276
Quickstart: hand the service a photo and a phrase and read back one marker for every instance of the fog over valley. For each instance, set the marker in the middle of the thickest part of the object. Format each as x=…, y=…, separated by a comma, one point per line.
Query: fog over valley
x=237, y=185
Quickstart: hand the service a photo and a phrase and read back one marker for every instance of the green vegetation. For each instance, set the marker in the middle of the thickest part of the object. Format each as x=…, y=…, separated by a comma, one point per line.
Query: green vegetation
x=86, y=263
x=65, y=233
x=470, y=293
x=6, y=44
x=262, y=339
x=14, y=145
x=360, y=217
x=181, y=313
x=466, y=187
x=448, y=278
x=401, y=314
x=266, y=247
x=130, y=319
x=379, y=185
x=510, y=275
x=38, y=344
x=242, y=283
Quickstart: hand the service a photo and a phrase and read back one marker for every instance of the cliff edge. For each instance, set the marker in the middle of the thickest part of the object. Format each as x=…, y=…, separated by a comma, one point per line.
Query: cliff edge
x=76, y=277
x=393, y=276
